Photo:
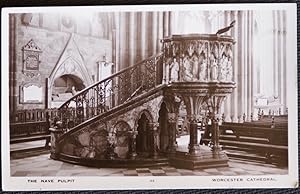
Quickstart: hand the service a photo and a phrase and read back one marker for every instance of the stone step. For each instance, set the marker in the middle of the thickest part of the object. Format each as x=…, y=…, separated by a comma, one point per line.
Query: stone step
x=22, y=139
x=256, y=158
x=244, y=139
x=245, y=156
x=235, y=148
x=254, y=145
x=29, y=152
x=117, y=162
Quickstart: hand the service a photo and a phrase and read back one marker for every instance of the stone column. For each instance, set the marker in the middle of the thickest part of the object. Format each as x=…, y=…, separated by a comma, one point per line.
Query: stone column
x=172, y=119
x=193, y=108
x=245, y=63
x=235, y=96
x=282, y=57
x=123, y=62
x=56, y=133
x=280, y=54
x=143, y=31
x=171, y=22
x=110, y=152
x=215, y=133
x=160, y=31
x=227, y=104
x=284, y=65
x=166, y=24
x=250, y=66
x=117, y=41
x=275, y=50
x=154, y=32
x=194, y=147
x=155, y=134
x=132, y=144
x=13, y=94
x=214, y=103
x=132, y=38
x=240, y=80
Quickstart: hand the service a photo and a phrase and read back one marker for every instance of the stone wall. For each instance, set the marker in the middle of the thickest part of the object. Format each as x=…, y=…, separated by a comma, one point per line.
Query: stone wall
x=52, y=33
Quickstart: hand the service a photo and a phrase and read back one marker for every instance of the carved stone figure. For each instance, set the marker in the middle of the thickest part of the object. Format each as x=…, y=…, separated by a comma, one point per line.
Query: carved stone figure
x=229, y=70
x=195, y=67
x=203, y=69
x=223, y=68
x=213, y=68
x=187, y=66
x=174, y=70
x=191, y=49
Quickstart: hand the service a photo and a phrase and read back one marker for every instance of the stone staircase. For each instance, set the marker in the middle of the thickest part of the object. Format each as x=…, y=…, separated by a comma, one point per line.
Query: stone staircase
x=113, y=115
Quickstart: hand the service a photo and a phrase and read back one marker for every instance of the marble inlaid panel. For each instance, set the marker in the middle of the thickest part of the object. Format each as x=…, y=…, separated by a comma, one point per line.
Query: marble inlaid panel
x=89, y=144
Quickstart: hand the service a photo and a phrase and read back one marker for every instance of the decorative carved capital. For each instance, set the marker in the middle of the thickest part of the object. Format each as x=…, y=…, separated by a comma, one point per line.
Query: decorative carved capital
x=177, y=99
x=154, y=126
x=132, y=134
x=214, y=103
x=195, y=118
x=172, y=117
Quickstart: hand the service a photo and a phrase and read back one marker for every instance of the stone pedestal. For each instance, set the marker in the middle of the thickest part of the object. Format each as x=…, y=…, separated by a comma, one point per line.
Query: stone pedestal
x=205, y=158
x=198, y=96
x=172, y=119
x=215, y=135
x=55, y=135
x=132, y=144
x=194, y=147
x=110, y=151
x=155, y=135
x=111, y=155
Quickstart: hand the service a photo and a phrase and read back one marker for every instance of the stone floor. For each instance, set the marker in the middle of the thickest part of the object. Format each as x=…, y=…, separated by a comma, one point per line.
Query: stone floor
x=42, y=165
x=32, y=144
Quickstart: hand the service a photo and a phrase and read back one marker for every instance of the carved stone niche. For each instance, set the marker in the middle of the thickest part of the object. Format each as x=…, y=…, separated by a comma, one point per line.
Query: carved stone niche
x=31, y=93
x=31, y=57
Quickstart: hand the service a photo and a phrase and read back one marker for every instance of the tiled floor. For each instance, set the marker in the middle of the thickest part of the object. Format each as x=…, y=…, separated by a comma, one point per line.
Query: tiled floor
x=42, y=165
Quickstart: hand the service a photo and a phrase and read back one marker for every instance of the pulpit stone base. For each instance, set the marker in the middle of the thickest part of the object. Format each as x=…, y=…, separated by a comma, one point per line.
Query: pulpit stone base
x=203, y=159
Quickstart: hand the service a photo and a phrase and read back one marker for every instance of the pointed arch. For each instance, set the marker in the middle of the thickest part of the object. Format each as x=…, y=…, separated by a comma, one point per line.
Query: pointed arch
x=121, y=125
x=147, y=114
x=70, y=62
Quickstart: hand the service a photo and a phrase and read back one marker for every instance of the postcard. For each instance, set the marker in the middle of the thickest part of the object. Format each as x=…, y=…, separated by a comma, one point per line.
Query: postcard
x=149, y=97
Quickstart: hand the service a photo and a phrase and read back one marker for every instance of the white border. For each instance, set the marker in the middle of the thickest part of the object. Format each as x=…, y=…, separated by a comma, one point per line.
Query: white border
x=176, y=182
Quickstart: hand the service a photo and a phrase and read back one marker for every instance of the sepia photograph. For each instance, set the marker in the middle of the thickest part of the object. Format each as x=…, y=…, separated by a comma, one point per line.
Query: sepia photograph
x=164, y=96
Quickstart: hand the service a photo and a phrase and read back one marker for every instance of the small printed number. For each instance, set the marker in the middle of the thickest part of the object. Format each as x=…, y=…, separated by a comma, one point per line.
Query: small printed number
x=151, y=180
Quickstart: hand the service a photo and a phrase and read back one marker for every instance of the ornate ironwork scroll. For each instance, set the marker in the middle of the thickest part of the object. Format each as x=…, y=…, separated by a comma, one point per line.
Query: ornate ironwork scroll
x=110, y=92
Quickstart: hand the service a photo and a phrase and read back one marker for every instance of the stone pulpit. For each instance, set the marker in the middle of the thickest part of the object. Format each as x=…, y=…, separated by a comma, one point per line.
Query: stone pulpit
x=198, y=70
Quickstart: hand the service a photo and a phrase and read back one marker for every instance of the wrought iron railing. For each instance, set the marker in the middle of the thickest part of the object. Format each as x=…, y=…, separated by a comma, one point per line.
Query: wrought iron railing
x=111, y=92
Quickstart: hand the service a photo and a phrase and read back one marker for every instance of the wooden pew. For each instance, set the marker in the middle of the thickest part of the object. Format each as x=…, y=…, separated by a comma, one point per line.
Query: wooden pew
x=265, y=138
x=29, y=131
x=31, y=125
